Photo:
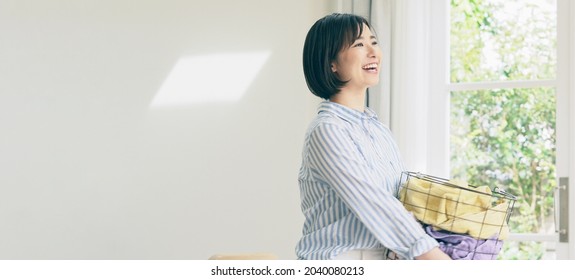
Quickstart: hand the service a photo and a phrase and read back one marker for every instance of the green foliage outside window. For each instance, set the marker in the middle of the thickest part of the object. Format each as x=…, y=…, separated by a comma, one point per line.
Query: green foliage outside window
x=506, y=137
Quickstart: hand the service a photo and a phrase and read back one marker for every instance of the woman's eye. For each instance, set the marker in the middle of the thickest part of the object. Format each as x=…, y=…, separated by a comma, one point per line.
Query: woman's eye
x=374, y=43
x=358, y=45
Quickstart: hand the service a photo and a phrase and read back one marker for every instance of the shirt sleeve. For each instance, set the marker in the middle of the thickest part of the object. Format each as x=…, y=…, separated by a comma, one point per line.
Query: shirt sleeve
x=338, y=161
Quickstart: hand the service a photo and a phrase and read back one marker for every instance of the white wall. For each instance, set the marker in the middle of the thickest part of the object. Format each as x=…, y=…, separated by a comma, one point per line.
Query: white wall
x=90, y=170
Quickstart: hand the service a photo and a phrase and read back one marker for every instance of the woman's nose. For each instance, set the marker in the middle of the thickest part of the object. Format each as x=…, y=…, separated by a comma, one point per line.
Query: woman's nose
x=372, y=51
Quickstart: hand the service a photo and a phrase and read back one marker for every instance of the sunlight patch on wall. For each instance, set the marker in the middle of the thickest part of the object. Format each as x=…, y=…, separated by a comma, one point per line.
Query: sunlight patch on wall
x=223, y=77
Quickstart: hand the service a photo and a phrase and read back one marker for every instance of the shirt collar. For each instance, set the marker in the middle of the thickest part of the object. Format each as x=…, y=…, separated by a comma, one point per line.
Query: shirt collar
x=347, y=113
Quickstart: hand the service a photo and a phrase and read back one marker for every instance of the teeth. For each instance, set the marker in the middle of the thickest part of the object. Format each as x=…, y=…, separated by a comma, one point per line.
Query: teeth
x=370, y=66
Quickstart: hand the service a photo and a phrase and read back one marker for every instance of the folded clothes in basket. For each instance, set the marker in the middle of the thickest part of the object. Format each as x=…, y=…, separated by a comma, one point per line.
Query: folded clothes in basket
x=465, y=247
x=456, y=209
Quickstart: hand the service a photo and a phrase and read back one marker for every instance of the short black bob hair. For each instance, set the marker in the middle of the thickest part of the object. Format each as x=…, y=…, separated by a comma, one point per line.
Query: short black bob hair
x=325, y=39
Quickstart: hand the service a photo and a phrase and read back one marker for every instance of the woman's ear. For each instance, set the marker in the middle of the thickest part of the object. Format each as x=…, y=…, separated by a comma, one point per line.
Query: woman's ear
x=333, y=68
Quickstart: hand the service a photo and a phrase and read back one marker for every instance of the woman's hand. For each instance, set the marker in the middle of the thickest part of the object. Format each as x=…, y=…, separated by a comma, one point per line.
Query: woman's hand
x=433, y=254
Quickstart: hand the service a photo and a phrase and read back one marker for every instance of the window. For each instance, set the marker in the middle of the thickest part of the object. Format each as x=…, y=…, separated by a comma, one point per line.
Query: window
x=496, y=109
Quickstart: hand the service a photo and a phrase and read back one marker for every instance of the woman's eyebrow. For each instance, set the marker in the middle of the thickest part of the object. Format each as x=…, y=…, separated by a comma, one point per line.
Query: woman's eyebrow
x=370, y=37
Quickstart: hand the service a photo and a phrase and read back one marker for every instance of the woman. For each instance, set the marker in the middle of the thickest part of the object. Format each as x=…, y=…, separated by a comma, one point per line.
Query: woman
x=351, y=165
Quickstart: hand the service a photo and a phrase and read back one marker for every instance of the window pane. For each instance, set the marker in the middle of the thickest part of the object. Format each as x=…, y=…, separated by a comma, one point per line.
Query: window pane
x=499, y=40
x=506, y=138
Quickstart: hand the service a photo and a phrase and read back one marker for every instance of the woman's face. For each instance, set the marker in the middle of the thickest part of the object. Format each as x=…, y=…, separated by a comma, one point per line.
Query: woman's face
x=360, y=63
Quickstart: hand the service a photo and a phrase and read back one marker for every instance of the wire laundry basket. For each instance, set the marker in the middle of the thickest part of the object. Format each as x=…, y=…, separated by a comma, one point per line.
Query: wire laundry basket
x=469, y=222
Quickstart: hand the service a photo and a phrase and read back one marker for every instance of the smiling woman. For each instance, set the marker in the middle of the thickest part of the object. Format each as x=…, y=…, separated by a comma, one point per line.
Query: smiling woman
x=351, y=167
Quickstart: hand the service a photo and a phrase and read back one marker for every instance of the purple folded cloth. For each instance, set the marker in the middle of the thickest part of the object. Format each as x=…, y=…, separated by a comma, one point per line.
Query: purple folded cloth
x=465, y=247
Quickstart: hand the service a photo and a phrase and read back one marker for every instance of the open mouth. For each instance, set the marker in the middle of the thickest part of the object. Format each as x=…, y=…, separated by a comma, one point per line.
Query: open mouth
x=372, y=67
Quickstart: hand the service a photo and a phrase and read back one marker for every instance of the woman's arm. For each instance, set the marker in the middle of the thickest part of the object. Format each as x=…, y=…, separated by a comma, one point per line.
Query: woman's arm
x=336, y=160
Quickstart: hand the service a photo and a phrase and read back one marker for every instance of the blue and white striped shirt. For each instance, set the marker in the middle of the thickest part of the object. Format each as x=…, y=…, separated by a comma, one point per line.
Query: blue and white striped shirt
x=349, y=181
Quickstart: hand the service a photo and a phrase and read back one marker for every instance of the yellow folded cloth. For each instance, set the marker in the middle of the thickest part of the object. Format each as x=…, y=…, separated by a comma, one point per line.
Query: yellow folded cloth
x=462, y=209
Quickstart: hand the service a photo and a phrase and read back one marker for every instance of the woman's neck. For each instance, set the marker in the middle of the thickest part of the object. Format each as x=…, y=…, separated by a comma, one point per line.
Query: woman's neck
x=354, y=100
